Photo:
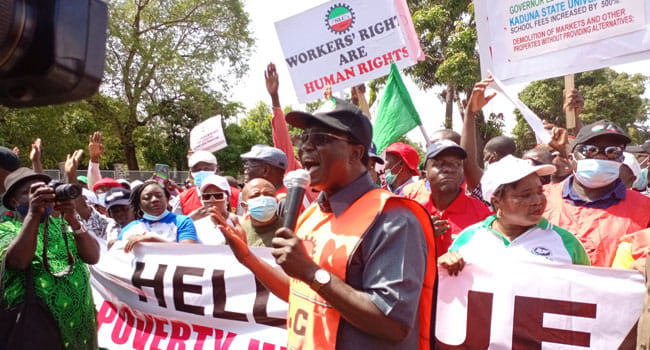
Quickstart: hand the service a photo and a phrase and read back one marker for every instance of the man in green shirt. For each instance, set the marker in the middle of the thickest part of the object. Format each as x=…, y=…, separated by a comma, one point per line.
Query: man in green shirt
x=261, y=219
x=68, y=297
x=9, y=162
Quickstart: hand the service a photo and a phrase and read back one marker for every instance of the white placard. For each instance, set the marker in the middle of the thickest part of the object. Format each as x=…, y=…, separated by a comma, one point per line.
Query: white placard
x=208, y=136
x=526, y=40
x=345, y=43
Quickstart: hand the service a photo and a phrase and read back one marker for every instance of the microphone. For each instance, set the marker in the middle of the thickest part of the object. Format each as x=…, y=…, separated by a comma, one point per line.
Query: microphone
x=296, y=182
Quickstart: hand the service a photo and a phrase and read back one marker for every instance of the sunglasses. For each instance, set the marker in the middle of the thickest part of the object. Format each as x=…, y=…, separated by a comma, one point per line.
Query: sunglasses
x=611, y=152
x=318, y=138
x=219, y=196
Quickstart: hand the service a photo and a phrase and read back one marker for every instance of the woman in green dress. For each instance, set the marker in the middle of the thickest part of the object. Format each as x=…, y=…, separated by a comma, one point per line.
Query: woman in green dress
x=68, y=297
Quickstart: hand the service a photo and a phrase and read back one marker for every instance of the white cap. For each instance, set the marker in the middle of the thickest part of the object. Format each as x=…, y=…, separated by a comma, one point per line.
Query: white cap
x=508, y=170
x=216, y=180
x=632, y=163
x=91, y=197
x=201, y=156
x=124, y=182
x=136, y=183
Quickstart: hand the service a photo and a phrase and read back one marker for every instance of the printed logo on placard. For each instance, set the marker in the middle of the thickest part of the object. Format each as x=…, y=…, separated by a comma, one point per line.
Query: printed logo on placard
x=340, y=18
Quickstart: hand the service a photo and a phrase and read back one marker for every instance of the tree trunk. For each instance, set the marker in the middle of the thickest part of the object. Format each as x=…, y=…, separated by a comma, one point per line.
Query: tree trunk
x=449, y=101
x=129, y=153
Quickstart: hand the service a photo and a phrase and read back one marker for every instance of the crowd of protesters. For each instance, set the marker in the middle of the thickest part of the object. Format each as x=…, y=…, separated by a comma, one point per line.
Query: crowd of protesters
x=359, y=269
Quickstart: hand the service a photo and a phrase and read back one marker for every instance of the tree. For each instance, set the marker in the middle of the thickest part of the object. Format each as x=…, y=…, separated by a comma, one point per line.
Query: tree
x=447, y=32
x=160, y=53
x=608, y=95
x=62, y=128
x=166, y=138
x=255, y=128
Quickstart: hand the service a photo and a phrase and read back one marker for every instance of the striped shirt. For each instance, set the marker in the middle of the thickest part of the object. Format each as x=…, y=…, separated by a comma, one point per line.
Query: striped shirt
x=542, y=241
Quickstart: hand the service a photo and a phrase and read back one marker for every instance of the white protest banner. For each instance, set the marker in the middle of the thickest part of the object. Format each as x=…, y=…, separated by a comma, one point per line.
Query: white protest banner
x=541, y=134
x=526, y=40
x=345, y=43
x=505, y=304
x=208, y=136
x=192, y=296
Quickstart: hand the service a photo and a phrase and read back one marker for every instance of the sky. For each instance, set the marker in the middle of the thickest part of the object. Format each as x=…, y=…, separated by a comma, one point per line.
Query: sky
x=251, y=88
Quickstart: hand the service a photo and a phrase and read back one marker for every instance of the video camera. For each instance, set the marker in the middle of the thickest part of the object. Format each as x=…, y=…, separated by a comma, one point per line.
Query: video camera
x=51, y=51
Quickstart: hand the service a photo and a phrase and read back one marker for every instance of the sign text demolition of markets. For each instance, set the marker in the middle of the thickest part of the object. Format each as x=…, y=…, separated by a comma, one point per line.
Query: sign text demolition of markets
x=357, y=41
x=539, y=26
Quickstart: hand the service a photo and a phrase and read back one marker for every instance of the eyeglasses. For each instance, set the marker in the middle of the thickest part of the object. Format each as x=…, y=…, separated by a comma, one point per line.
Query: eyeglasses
x=318, y=138
x=590, y=151
x=218, y=196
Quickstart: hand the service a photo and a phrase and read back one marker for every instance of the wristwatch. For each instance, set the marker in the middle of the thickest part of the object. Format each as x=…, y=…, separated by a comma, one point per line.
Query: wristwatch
x=81, y=229
x=321, y=278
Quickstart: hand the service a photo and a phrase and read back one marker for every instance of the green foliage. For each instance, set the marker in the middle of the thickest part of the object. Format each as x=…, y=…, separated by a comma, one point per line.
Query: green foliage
x=161, y=55
x=447, y=32
x=608, y=95
x=62, y=129
x=255, y=128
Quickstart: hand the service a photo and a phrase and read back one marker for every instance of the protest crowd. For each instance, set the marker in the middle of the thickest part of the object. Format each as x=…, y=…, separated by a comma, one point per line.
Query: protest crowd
x=359, y=269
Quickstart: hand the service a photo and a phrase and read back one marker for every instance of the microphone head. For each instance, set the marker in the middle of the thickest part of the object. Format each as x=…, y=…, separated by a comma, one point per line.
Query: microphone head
x=297, y=178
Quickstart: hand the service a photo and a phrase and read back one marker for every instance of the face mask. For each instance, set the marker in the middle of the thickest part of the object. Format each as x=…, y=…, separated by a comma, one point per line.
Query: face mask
x=23, y=209
x=641, y=182
x=155, y=218
x=390, y=177
x=596, y=173
x=101, y=198
x=199, y=176
x=262, y=208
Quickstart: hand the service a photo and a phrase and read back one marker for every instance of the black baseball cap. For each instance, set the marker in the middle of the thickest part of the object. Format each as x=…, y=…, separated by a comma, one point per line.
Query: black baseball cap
x=117, y=196
x=372, y=153
x=443, y=145
x=339, y=115
x=600, y=128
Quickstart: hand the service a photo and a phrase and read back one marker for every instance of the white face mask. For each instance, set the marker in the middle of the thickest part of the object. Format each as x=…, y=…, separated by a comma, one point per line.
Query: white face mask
x=597, y=173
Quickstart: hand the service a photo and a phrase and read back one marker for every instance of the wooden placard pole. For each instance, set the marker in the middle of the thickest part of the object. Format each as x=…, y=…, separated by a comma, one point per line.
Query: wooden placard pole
x=569, y=85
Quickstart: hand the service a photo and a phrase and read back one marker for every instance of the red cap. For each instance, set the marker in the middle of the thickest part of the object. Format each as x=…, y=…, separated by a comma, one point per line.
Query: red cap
x=107, y=181
x=408, y=154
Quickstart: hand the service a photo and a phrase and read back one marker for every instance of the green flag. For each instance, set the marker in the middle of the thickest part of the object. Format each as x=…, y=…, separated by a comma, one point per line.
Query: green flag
x=396, y=115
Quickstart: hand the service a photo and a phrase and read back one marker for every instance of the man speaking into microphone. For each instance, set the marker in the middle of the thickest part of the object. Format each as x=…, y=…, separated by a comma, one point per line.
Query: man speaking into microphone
x=359, y=270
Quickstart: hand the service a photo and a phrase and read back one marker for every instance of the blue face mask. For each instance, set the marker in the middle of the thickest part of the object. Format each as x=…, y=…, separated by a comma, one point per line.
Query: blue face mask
x=597, y=173
x=23, y=209
x=199, y=176
x=101, y=198
x=155, y=218
x=262, y=208
x=641, y=182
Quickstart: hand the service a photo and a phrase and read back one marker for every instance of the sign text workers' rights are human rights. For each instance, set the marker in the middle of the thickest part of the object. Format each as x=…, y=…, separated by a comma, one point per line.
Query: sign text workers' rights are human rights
x=345, y=43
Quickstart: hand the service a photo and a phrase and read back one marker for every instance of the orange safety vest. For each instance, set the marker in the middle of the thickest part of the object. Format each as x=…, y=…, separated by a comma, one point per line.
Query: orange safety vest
x=312, y=323
x=190, y=200
x=599, y=230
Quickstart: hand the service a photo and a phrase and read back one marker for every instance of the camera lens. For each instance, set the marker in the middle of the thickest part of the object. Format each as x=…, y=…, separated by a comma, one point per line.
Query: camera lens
x=17, y=28
x=65, y=192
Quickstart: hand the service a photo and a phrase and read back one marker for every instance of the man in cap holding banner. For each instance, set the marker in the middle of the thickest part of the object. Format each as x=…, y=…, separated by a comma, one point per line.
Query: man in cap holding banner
x=359, y=270
x=593, y=203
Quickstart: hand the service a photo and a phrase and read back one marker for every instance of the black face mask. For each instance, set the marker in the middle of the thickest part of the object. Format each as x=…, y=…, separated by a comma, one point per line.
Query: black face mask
x=545, y=179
